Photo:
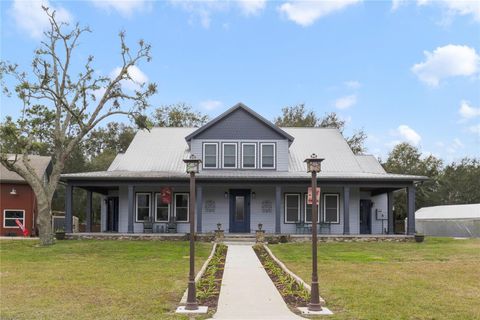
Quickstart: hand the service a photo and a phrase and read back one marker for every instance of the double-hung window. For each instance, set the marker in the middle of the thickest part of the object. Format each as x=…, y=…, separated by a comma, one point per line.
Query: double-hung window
x=210, y=155
x=9, y=217
x=142, y=207
x=308, y=210
x=229, y=155
x=331, y=208
x=162, y=210
x=181, y=207
x=292, y=207
x=249, y=155
x=267, y=151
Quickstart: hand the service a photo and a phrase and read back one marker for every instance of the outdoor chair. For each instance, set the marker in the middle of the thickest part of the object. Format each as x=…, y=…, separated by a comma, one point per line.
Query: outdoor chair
x=148, y=225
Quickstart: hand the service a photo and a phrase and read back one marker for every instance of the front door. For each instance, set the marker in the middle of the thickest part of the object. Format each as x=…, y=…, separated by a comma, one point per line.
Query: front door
x=239, y=210
x=365, y=216
x=112, y=214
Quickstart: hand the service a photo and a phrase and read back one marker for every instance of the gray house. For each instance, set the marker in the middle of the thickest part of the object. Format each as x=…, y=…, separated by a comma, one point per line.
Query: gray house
x=252, y=172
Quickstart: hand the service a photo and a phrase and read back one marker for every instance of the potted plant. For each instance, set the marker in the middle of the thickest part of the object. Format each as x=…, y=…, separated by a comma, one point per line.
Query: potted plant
x=60, y=234
x=419, y=237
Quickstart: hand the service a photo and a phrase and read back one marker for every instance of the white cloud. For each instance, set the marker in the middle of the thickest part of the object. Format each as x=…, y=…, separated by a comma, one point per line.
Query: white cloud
x=451, y=7
x=30, y=17
x=353, y=84
x=210, y=104
x=124, y=7
x=475, y=129
x=202, y=11
x=138, y=78
x=408, y=134
x=346, y=102
x=466, y=111
x=448, y=61
x=306, y=13
x=252, y=7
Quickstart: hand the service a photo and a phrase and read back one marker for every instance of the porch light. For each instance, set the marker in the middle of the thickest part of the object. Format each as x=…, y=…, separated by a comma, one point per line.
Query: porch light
x=314, y=163
x=193, y=164
x=254, y=195
x=225, y=195
x=13, y=192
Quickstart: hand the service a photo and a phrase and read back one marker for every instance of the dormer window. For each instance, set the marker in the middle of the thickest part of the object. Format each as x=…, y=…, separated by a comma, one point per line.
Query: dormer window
x=229, y=155
x=249, y=155
x=267, y=155
x=210, y=155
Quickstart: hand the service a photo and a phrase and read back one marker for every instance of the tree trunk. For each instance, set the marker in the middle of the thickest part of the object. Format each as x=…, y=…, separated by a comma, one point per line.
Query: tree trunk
x=44, y=220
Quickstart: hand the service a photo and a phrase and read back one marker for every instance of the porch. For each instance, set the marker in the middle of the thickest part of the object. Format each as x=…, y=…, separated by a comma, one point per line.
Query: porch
x=278, y=207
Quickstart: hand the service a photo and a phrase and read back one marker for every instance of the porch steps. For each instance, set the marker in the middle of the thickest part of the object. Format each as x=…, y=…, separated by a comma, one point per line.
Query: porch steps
x=239, y=238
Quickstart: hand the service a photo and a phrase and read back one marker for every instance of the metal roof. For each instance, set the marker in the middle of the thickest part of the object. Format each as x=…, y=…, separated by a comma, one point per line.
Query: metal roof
x=39, y=163
x=460, y=211
x=159, y=154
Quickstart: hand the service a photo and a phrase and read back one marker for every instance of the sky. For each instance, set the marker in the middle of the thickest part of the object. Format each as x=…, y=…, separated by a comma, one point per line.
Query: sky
x=401, y=70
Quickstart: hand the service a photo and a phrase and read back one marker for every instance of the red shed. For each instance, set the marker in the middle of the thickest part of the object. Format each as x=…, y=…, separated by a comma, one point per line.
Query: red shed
x=17, y=200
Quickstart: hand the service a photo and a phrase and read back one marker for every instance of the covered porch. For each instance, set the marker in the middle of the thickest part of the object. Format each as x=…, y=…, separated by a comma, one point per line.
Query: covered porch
x=277, y=206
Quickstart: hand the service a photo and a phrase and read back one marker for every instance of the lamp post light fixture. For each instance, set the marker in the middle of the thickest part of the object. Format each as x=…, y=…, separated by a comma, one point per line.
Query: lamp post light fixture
x=314, y=166
x=192, y=167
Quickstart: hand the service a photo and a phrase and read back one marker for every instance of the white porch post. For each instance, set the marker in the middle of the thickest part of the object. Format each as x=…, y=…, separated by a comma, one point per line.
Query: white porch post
x=346, y=210
x=278, y=211
x=131, y=207
x=199, y=201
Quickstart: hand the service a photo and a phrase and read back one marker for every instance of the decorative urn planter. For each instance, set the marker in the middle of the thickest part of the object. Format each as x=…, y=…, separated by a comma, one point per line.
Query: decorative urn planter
x=60, y=235
x=419, y=237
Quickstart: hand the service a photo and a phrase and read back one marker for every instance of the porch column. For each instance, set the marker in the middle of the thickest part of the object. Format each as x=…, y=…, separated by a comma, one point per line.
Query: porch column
x=391, y=217
x=346, y=210
x=198, y=213
x=68, y=208
x=131, y=206
x=88, y=213
x=411, y=209
x=278, y=211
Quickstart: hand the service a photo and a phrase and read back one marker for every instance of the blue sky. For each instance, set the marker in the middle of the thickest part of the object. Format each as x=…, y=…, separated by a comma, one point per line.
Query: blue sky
x=402, y=70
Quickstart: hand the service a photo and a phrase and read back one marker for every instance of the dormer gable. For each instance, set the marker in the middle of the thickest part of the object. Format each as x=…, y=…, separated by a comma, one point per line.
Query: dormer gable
x=240, y=122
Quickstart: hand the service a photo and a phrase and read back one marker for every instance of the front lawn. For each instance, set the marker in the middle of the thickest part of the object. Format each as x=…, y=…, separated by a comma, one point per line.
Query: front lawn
x=438, y=279
x=94, y=279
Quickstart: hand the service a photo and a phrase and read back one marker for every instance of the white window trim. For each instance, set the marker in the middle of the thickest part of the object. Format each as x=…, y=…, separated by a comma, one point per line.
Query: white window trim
x=216, y=154
x=223, y=154
x=156, y=207
x=149, y=205
x=274, y=154
x=175, y=206
x=16, y=226
x=325, y=207
x=255, y=161
x=305, y=210
x=285, y=216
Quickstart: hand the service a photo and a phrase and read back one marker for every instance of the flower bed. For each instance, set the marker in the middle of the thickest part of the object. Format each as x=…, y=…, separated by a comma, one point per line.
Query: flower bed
x=208, y=287
x=294, y=294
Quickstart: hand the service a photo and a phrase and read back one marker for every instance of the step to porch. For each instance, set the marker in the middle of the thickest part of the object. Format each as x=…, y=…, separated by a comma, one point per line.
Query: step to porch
x=239, y=238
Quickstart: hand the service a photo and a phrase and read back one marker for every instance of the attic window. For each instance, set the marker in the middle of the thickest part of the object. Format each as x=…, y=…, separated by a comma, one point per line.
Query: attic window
x=268, y=155
x=249, y=155
x=210, y=155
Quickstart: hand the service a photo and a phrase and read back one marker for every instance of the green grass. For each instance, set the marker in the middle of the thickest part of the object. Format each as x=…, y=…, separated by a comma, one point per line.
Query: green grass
x=94, y=279
x=437, y=279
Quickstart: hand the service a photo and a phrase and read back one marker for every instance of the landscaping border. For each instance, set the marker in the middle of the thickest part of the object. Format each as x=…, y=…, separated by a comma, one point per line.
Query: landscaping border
x=200, y=273
x=289, y=272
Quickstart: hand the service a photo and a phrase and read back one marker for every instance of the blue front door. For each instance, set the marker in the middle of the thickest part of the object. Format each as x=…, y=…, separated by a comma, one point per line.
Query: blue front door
x=239, y=210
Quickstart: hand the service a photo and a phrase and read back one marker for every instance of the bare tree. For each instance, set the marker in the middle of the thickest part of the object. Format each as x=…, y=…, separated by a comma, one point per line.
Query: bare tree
x=69, y=105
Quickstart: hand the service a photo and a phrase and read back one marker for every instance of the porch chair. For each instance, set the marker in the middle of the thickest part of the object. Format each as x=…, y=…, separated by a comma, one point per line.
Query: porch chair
x=148, y=225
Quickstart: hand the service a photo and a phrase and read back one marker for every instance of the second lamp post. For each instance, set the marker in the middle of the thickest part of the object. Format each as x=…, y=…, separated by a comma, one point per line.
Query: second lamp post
x=314, y=166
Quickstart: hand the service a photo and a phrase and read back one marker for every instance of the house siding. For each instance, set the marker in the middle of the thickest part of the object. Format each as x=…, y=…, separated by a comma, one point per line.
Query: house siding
x=240, y=125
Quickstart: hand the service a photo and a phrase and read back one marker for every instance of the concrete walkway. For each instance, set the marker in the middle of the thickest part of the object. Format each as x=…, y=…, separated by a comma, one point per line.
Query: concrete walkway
x=247, y=291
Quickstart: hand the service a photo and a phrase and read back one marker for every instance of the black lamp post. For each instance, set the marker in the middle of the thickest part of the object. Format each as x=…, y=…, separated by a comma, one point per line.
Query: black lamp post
x=193, y=167
x=314, y=166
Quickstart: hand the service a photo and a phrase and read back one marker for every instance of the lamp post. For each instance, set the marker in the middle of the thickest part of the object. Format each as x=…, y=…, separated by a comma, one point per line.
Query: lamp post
x=314, y=166
x=193, y=167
